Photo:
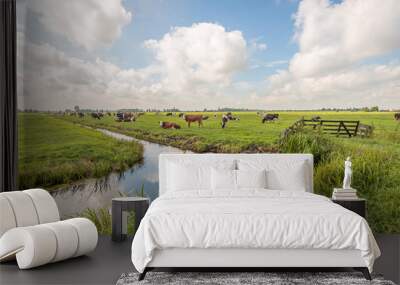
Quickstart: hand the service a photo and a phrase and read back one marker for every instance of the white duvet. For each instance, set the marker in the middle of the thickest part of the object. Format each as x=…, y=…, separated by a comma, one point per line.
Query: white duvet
x=250, y=219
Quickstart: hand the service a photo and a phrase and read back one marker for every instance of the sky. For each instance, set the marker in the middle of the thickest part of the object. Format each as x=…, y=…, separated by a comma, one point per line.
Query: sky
x=192, y=54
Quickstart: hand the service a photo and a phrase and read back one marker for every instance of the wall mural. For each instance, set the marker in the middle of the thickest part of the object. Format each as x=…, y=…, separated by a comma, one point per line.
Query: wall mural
x=106, y=86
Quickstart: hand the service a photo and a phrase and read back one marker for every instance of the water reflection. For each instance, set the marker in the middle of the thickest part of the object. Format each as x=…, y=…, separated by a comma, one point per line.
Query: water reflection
x=97, y=193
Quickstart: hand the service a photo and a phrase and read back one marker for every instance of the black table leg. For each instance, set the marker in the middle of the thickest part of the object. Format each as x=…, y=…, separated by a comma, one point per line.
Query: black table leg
x=116, y=221
x=140, y=211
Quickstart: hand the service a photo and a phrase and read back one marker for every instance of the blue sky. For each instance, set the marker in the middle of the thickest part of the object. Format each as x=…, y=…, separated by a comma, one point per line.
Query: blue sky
x=267, y=22
x=196, y=54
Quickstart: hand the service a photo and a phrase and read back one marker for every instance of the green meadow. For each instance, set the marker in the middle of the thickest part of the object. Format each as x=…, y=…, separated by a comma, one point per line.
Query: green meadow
x=376, y=160
x=245, y=135
x=54, y=151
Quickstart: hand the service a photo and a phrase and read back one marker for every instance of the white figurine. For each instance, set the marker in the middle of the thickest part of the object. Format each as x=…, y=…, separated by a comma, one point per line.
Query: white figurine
x=347, y=174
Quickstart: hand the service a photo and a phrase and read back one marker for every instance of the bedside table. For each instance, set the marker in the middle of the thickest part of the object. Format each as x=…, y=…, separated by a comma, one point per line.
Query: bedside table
x=119, y=213
x=358, y=206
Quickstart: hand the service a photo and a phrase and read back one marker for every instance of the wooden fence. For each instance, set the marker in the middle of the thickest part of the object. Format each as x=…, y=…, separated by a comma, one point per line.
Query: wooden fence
x=333, y=127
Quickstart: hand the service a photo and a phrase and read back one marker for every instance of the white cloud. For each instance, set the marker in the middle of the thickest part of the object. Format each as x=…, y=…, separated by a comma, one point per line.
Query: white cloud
x=257, y=45
x=203, y=53
x=335, y=36
x=269, y=64
x=192, y=68
x=261, y=46
x=86, y=23
x=54, y=80
x=362, y=86
x=330, y=69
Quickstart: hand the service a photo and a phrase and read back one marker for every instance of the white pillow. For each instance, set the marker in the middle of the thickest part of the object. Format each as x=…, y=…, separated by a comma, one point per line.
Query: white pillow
x=223, y=179
x=183, y=177
x=251, y=178
x=281, y=175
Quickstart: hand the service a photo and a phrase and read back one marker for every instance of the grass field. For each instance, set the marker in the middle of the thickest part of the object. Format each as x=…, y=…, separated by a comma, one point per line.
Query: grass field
x=376, y=160
x=247, y=134
x=53, y=151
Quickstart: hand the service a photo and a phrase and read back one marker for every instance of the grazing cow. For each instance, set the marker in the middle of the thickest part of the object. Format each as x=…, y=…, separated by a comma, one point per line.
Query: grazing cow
x=168, y=114
x=181, y=115
x=231, y=117
x=96, y=115
x=205, y=118
x=119, y=117
x=315, y=118
x=125, y=117
x=225, y=120
x=81, y=115
x=228, y=117
x=169, y=125
x=270, y=118
x=397, y=116
x=365, y=130
x=193, y=118
x=109, y=114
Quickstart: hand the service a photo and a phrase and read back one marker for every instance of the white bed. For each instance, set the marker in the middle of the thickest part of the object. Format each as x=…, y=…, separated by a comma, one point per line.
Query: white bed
x=248, y=227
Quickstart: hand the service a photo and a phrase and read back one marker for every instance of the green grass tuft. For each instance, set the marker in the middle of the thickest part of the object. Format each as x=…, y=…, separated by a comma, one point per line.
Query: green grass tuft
x=103, y=220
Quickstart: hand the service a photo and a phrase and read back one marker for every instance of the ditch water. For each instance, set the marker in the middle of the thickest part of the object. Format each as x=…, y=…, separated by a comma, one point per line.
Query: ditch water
x=96, y=193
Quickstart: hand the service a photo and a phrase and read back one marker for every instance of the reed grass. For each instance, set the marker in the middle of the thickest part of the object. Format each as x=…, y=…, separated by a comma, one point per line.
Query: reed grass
x=103, y=220
x=376, y=174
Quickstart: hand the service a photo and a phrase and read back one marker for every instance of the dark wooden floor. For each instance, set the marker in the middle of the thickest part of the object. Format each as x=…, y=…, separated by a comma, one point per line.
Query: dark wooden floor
x=102, y=266
x=110, y=260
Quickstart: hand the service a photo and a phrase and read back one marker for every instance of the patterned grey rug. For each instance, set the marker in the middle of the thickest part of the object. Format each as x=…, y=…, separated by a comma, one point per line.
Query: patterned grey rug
x=269, y=278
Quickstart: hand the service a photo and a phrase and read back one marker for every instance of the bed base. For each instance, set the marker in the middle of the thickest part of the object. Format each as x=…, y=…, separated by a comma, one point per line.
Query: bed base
x=250, y=259
x=363, y=270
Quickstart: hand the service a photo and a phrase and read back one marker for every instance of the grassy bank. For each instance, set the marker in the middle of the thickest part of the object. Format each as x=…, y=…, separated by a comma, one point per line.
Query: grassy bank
x=53, y=151
x=376, y=174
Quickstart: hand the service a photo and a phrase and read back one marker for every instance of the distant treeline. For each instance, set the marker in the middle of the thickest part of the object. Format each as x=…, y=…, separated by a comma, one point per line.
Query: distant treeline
x=225, y=109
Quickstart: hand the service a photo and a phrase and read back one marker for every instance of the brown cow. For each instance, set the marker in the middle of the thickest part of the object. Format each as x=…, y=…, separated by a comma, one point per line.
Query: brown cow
x=397, y=116
x=169, y=125
x=193, y=118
